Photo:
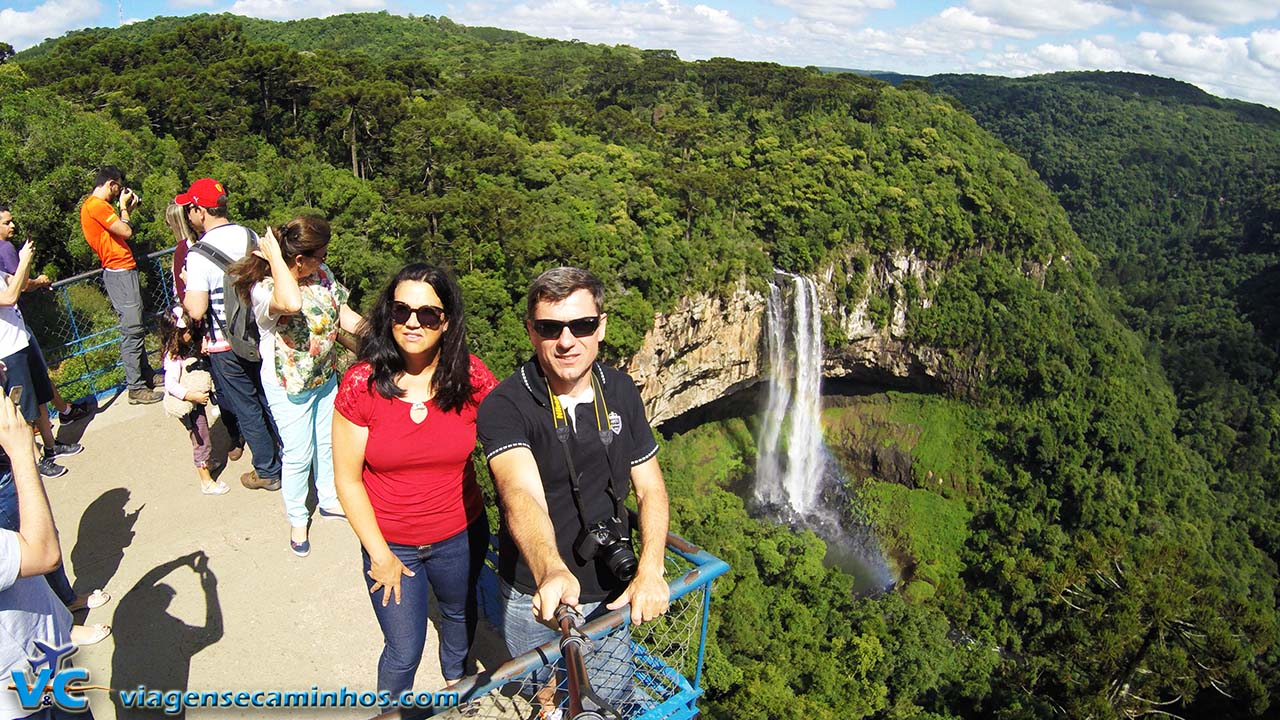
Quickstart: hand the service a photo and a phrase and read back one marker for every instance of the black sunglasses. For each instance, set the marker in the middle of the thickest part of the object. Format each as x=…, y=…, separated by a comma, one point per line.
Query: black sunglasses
x=429, y=316
x=551, y=329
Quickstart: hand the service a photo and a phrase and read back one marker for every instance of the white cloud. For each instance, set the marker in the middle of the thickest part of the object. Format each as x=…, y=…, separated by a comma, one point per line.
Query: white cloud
x=695, y=30
x=964, y=20
x=1063, y=15
x=1177, y=22
x=294, y=9
x=1084, y=55
x=843, y=12
x=1180, y=51
x=50, y=19
x=1217, y=13
x=1264, y=48
x=192, y=3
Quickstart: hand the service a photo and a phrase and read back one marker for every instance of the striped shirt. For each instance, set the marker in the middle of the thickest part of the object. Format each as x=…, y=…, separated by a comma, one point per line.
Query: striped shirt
x=204, y=276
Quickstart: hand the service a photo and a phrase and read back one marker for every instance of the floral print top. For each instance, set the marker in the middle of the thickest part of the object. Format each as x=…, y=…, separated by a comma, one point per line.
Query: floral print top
x=305, y=349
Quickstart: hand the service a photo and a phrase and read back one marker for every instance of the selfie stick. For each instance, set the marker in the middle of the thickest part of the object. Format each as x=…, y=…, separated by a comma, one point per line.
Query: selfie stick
x=584, y=703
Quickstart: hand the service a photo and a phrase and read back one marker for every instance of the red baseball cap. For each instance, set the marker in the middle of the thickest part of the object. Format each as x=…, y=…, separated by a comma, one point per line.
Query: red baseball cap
x=205, y=192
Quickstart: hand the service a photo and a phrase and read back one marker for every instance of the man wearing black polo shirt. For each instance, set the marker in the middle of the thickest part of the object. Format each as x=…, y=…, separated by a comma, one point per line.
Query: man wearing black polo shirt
x=608, y=442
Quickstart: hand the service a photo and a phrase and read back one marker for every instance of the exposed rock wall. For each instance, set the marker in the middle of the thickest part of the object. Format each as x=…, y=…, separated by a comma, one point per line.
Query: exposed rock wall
x=870, y=352
x=709, y=347
x=706, y=348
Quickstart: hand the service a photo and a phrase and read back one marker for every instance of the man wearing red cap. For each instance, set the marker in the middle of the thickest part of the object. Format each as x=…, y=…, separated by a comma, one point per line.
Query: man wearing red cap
x=238, y=381
x=108, y=234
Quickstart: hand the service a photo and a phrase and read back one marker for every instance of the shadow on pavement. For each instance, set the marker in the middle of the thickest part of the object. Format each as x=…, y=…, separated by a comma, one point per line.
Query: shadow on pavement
x=154, y=648
x=106, y=529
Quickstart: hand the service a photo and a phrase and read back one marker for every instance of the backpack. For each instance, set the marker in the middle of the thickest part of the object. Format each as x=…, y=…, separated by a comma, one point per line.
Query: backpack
x=241, y=329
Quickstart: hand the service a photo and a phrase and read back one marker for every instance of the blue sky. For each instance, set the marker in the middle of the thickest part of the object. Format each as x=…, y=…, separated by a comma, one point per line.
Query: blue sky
x=1227, y=47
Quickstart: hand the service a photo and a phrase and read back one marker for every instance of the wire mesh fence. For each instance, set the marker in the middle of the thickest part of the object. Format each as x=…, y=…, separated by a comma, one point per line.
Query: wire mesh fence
x=79, y=333
x=647, y=672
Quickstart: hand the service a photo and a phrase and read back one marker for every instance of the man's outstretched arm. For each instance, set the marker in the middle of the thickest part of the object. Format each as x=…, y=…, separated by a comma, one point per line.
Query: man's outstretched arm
x=524, y=504
x=648, y=592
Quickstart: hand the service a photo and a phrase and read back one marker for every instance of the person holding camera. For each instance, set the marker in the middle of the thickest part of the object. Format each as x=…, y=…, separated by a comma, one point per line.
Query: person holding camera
x=108, y=233
x=29, y=610
x=567, y=440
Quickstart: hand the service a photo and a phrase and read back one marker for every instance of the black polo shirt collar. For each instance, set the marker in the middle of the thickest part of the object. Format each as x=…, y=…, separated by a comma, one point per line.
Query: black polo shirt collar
x=535, y=381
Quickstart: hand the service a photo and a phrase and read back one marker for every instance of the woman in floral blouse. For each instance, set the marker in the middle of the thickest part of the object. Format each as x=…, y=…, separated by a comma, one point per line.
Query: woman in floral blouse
x=299, y=306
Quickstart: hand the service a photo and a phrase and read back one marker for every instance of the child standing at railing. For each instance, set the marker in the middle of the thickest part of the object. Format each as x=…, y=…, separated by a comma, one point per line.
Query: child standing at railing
x=187, y=385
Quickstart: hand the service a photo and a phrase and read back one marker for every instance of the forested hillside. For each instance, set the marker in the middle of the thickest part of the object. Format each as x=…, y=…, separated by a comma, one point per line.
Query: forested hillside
x=1093, y=571
x=1178, y=193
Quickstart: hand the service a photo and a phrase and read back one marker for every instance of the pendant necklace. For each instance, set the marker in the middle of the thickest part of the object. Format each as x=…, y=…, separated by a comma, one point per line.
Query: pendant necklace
x=418, y=412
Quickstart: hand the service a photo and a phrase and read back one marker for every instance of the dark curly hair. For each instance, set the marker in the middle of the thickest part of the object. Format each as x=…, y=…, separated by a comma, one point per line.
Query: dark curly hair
x=452, y=379
x=171, y=342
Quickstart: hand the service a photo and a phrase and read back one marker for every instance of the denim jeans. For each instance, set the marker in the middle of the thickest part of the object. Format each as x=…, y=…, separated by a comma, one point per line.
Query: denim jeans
x=125, y=293
x=610, y=664
x=239, y=389
x=57, y=577
x=451, y=567
x=305, y=424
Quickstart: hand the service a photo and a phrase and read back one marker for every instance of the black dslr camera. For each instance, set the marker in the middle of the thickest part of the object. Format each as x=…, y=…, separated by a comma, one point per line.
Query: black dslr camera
x=606, y=539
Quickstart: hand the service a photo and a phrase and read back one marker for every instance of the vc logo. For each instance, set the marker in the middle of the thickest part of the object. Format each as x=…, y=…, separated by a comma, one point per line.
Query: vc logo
x=49, y=687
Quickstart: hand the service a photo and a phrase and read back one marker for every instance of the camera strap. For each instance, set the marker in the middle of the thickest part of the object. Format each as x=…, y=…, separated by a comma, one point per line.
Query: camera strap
x=563, y=432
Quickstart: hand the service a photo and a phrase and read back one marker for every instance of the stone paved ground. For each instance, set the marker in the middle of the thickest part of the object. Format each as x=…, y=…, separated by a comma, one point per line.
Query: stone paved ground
x=131, y=514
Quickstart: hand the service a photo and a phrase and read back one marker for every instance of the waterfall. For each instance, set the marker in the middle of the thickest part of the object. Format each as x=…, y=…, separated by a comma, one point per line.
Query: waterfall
x=792, y=468
x=791, y=457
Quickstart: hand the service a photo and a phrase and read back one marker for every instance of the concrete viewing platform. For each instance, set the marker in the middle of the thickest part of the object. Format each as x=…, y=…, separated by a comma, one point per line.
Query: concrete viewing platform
x=131, y=515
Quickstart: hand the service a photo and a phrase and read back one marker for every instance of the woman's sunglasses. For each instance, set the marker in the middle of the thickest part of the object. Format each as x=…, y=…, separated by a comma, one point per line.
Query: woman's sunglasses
x=551, y=329
x=429, y=316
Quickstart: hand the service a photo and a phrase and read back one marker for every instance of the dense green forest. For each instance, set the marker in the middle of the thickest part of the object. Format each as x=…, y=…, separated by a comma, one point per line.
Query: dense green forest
x=1080, y=562
x=1178, y=194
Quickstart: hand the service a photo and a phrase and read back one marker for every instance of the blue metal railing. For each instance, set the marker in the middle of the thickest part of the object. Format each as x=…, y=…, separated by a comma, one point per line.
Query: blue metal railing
x=79, y=333
x=666, y=654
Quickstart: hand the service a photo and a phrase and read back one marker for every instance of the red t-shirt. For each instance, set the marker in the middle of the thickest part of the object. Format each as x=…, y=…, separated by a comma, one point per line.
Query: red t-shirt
x=419, y=476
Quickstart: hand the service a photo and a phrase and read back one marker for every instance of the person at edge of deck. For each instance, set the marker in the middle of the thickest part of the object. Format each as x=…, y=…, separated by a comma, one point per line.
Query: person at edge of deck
x=67, y=412
x=238, y=381
x=404, y=437
x=23, y=366
x=604, y=440
x=108, y=232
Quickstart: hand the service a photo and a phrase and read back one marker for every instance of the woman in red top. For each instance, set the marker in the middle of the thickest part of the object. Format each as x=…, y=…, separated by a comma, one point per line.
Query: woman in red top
x=403, y=435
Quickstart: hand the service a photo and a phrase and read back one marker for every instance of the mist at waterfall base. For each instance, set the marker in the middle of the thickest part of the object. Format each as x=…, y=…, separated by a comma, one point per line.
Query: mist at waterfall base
x=796, y=481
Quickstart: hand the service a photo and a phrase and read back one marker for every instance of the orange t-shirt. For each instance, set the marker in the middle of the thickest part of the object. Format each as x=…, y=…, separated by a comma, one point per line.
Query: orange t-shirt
x=96, y=215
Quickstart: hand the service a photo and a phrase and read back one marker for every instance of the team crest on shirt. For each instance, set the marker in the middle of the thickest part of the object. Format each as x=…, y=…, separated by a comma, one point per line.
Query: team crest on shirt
x=615, y=423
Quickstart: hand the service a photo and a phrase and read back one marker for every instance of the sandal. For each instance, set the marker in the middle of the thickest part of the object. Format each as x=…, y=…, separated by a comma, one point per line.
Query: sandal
x=93, y=600
x=217, y=487
x=89, y=634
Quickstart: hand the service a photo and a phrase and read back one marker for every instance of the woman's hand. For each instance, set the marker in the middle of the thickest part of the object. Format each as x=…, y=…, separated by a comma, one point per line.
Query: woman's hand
x=269, y=247
x=386, y=574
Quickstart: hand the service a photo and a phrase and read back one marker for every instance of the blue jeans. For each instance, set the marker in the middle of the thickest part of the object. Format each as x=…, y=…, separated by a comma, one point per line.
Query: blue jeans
x=57, y=577
x=610, y=664
x=240, y=389
x=450, y=567
x=305, y=424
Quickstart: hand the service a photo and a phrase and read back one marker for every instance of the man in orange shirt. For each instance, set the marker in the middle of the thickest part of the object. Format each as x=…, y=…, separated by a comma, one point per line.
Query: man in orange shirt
x=108, y=233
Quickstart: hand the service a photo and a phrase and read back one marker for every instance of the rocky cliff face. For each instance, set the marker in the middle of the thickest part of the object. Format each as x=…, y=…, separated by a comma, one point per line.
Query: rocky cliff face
x=706, y=348
x=875, y=347
x=709, y=347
